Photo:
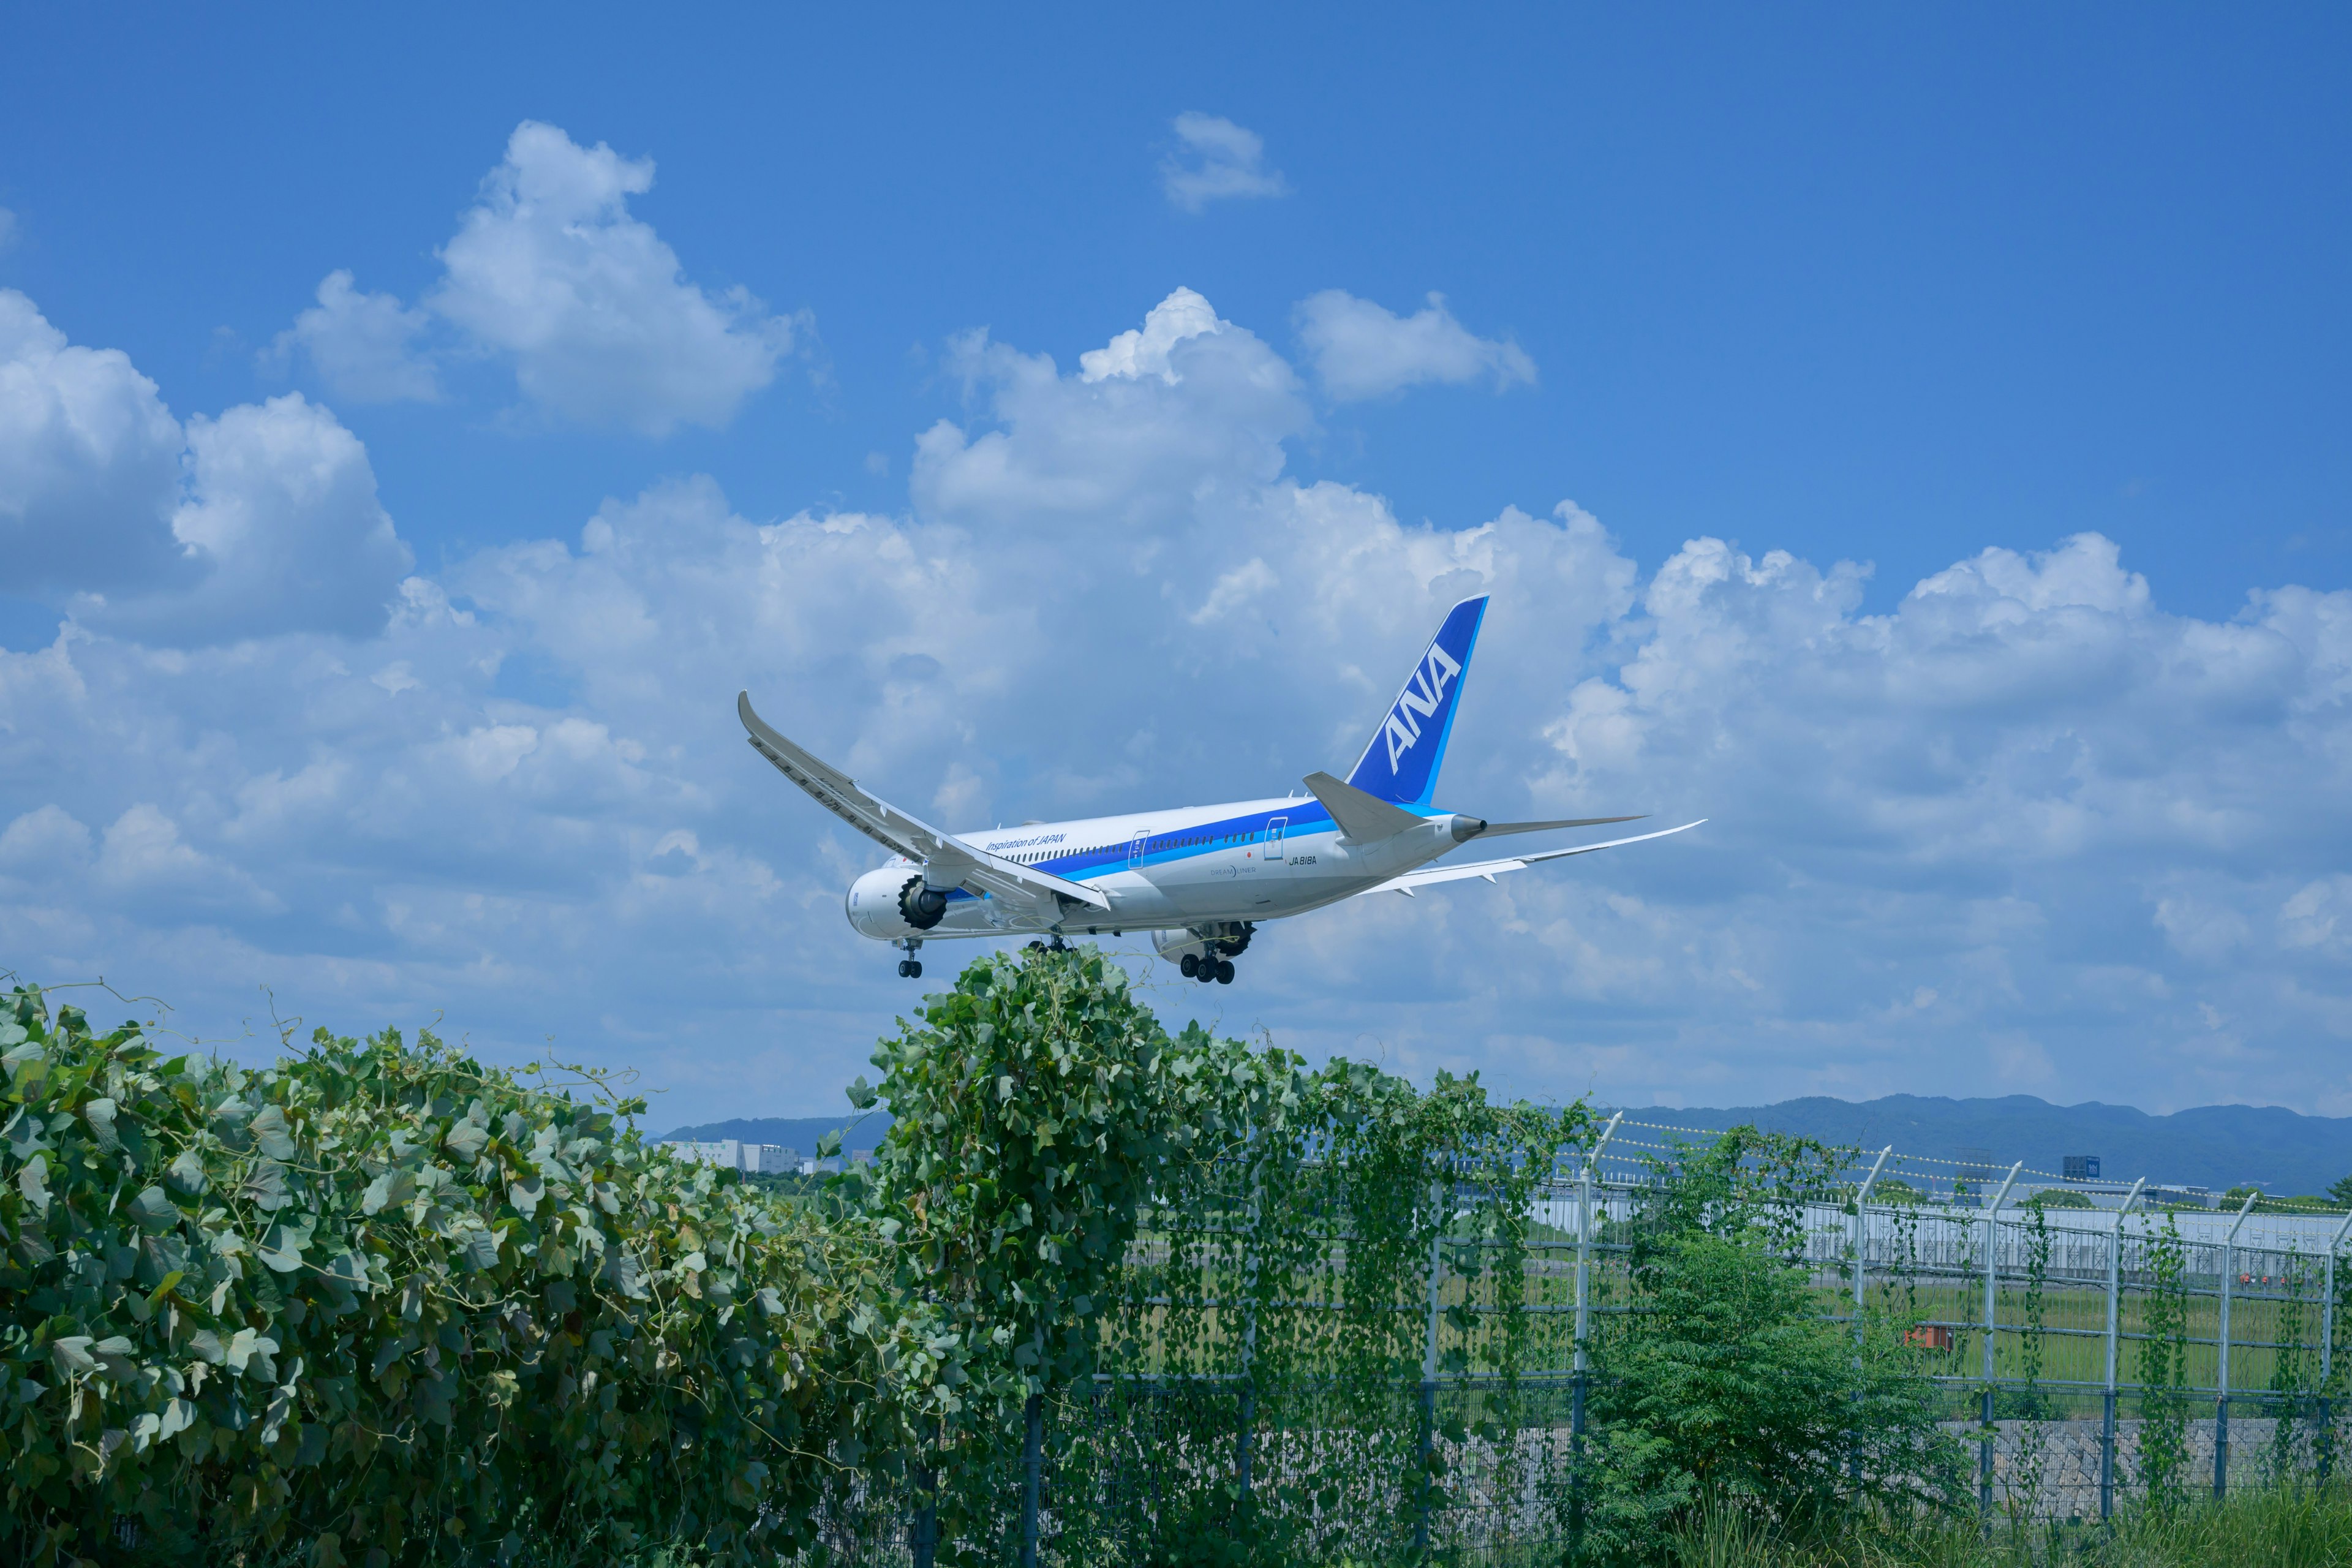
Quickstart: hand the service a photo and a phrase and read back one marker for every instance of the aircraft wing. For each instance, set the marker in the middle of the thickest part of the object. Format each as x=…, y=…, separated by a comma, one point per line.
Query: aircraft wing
x=947, y=859
x=1490, y=869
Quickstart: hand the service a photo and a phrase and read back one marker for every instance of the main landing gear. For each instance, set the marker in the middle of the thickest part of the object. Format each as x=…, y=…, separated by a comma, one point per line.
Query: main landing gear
x=910, y=967
x=1207, y=966
x=1056, y=945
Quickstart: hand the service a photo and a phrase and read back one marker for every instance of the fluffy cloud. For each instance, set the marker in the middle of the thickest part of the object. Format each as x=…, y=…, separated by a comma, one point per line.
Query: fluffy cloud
x=2025, y=827
x=1216, y=160
x=282, y=523
x=364, y=347
x=1161, y=420
x=1360, y=350
x=549, y=272
x=89, y=462
x=550, y=268
x=260, y=522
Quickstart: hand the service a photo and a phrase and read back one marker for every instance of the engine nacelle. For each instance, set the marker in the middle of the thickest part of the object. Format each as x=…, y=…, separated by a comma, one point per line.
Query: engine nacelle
x=892, y=904
x=1174, y=945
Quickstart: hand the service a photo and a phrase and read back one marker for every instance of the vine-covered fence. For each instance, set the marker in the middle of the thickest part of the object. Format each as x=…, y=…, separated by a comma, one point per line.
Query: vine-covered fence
x=1403, y=1367
x=1104, y=1294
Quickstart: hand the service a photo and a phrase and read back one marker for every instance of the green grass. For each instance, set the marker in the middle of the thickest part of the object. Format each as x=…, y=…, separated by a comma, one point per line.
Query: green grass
x=2305, y=1529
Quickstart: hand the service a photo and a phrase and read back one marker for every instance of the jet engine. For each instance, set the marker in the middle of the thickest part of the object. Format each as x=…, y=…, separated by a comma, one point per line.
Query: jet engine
x=892, y=904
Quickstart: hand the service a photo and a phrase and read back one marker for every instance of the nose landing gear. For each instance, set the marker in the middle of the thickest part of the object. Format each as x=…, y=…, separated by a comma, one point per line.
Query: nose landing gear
x=910, y=967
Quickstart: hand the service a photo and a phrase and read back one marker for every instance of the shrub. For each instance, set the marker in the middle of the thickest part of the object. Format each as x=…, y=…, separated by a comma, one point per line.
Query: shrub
x=1725, y=1389
x=380, y=1302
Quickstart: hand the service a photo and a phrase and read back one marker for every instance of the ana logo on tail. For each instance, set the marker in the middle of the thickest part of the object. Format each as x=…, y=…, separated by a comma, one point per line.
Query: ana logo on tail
x=1420, y=697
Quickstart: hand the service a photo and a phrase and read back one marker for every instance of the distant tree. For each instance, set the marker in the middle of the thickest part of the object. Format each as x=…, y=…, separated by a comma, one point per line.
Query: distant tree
x=2239, y=1195
x=2060, y=1198
x=2340, y=1195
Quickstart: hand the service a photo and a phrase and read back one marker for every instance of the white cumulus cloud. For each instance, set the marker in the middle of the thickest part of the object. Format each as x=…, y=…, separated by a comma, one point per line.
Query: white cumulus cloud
x=550, y=268
x=1216, y=160
x=364, y=347
x=1184, y=402
x=2026, y=826
x=1360, y=350
x=261, y=520
x=89, y=462
x=283, y=528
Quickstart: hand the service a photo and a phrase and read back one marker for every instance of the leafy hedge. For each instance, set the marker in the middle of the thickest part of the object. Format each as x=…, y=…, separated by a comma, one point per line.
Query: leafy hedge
x=381, y=1302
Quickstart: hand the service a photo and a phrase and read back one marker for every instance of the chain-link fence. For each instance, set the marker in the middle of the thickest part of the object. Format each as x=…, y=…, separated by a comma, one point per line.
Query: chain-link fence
x=2092, y=1344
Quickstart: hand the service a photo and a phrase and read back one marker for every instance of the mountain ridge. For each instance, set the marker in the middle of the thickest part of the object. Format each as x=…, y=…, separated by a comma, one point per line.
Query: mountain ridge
x=2283, y=1152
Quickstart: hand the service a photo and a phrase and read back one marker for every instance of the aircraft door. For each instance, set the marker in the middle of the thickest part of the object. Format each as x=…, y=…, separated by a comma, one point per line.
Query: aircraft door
x=1135, y=851
x=1273, y=852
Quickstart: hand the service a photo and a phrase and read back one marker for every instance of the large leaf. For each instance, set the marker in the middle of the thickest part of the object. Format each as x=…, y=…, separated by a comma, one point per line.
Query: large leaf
x=271, y=1130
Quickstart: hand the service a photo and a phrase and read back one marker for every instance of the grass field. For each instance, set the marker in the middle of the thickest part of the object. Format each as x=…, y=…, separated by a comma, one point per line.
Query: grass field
x=2311, y=1529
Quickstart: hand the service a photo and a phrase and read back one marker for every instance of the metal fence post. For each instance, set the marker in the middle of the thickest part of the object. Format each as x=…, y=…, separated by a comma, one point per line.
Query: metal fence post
x=1861, y=1236
x=1584, y=1287
x=2327, y=1351
x=2221, y=1355
x=2115, y=1297
x=1861, y=1287
x=1991, y=1317
x=926, y=1541
x=1032, y=1464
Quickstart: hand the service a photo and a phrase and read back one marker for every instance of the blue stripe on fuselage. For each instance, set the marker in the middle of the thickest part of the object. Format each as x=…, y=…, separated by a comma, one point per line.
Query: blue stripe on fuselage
x=1303, y=817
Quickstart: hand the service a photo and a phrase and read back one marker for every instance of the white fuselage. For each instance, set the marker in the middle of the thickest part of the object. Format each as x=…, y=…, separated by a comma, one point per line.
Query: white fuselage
x=1203, y=867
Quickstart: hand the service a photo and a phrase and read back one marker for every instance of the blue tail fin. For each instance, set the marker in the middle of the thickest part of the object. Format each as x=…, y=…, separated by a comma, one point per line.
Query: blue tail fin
x=1401, y=762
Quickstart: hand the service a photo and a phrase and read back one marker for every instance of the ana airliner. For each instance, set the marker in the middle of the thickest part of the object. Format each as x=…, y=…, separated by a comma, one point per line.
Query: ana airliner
x=1199, y=877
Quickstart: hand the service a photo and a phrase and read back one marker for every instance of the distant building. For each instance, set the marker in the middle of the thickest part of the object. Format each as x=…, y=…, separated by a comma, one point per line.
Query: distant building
x=2081, y=1168
x=733, y=1155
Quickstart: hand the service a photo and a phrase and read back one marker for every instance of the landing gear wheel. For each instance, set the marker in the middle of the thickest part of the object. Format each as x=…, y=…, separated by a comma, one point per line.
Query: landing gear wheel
x=914, y=969
x=1036, y=947
x=1191, y=964
x=1225, y=972
x=1206, y=972
x=903, y=965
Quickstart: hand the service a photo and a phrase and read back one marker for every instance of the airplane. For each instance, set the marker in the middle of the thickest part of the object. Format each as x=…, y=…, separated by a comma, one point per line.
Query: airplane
x=1200, y=879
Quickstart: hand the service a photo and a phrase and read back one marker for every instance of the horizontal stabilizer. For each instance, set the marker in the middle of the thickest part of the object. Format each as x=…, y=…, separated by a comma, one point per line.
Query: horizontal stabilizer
x=1429, y=875
x=1362, y=819
x=1493, y=829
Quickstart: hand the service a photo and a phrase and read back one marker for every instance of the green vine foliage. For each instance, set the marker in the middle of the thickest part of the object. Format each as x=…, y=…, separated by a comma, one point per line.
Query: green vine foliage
x=2334, y=1388
x=1035, y=1107
x=2030, y=1404
x=1285, y=1279
x=380, y=1304
x=2164, y=1367
x=2293, y=1374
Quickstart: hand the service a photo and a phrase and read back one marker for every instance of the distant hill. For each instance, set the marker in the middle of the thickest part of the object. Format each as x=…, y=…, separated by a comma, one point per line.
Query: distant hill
x=794, y=1132
x=2218, y=1146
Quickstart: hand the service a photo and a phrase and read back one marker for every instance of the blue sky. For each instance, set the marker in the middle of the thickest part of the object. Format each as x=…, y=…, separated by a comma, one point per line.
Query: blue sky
x=420, y=435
